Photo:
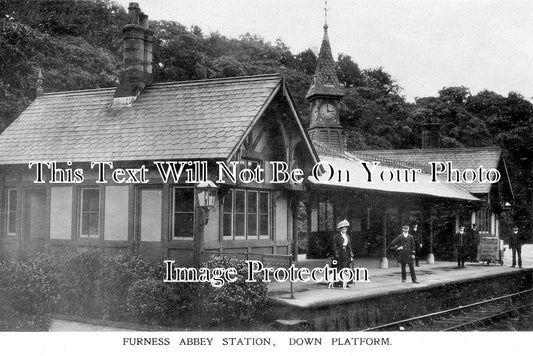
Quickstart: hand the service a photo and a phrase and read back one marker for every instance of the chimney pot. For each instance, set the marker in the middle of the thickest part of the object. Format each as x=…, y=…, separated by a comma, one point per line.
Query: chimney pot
x=137, y=71
x=431, y=134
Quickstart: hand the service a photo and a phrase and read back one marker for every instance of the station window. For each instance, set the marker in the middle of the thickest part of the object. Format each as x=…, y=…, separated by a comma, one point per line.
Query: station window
x=11, y=212
x=183, y=213
x=246, y=214
x=483, y=220
x=326, y=220
x=90, y=212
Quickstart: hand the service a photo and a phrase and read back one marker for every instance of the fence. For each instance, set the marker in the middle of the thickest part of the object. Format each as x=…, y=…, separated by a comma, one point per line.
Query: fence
x=268, y=260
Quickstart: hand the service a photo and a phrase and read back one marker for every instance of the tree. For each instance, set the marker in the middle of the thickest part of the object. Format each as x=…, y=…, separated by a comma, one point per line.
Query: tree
x=306, y=62
x=510, y=122
x=99, y=22
x=379, y=79
x=460, y=127
x=178, y=53
x=348, y=71
x=67, y=63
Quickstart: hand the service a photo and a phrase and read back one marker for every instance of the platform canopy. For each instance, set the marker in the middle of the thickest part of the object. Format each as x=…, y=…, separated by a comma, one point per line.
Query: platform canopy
x=462, y=158
x=381, y=179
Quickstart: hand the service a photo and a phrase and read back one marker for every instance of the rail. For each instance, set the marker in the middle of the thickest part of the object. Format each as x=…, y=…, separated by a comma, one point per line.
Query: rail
x=462, y=317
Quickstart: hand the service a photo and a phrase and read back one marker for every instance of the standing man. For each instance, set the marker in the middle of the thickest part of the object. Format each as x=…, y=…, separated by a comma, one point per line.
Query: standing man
x=405, y=248
x=417, y=236
x=515, y=243
x=474, y=243
x=461, y=245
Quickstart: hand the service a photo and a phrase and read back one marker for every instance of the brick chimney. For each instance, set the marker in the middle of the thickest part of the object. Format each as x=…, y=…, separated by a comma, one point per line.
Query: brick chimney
x=431, y=133
x=137, y=71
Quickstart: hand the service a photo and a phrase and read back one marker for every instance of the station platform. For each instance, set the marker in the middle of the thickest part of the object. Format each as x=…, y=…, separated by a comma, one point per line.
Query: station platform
x=385, y=298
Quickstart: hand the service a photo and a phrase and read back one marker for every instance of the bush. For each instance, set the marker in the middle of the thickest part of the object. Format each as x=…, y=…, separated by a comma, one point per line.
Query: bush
x=123, y=287
x=155, y=302
x=118, y=273
x=234, y=304
x=26, y=298
x=51, y=267
x=79, y=284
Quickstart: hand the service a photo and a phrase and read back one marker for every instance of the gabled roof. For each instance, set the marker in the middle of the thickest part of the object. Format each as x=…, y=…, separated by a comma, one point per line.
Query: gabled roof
x=359, y=178
x=325, y=80
x=461, y=158
x=202, y=119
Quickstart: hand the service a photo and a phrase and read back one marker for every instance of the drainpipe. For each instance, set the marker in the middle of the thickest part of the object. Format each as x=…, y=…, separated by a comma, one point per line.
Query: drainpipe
x=383, y=262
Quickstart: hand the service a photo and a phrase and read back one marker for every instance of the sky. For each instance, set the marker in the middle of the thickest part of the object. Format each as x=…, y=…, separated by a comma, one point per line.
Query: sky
x=424, y=44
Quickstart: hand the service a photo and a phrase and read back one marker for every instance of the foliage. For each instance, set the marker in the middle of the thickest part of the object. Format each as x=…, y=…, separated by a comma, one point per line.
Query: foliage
x=154, y=302
x=124, y=287
x=79, y=285
x=26, y=298
x=118, y=273
x=90, y=283
x=234, y=304
x=99, y=22
x=67, y=63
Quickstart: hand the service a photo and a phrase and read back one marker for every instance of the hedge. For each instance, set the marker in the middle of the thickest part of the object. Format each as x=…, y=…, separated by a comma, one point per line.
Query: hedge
x=236, y=304
x=26, y=298
x=123, y=288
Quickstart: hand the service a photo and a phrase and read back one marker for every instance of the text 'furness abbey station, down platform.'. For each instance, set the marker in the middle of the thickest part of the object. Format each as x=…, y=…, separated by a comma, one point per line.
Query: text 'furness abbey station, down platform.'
x=103, y=160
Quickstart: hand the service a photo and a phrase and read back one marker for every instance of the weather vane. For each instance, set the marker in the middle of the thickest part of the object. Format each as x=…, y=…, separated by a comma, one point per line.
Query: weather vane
x=326, y=12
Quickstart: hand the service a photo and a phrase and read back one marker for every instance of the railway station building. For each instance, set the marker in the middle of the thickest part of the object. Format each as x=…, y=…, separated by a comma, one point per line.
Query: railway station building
x=94, y=169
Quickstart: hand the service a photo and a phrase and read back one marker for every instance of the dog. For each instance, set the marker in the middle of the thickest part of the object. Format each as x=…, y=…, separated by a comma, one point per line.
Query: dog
x=331, y=284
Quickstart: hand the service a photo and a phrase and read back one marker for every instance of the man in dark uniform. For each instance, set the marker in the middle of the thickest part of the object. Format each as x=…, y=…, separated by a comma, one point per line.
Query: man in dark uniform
x=461, y=244
x=417, y=236
x=515, y=243
x=405, y=247
x=474, y=243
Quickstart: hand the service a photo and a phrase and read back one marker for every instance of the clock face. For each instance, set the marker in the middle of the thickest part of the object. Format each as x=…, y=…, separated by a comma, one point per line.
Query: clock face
x=328, y=111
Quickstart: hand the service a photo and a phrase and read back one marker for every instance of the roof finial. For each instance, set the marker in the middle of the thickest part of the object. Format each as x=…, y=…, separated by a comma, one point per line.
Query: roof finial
x=39, y=91
x=326, y=15
x=282, y=68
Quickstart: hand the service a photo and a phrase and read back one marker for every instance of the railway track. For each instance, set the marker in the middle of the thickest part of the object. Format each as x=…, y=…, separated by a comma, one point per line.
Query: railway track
x=476, y=316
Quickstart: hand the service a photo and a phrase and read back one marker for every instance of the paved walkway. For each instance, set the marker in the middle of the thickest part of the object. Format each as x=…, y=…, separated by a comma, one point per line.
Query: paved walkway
x=389, y=280
x=67, y=325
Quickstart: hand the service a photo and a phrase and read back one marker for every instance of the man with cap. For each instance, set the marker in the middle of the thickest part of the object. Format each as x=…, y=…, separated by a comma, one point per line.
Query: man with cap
x=474, y=243
x=461, y=245
x=405, y=247
x=515, y=243
x=341, y=248
x=417, y=236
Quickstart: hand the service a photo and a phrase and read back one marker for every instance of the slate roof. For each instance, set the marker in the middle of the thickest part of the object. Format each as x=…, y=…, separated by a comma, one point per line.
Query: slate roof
x=461, y=158
x=185, y=120
x=325, y=81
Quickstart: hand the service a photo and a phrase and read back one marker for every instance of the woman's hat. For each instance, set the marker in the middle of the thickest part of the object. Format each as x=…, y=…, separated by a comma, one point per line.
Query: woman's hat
x=342, y=224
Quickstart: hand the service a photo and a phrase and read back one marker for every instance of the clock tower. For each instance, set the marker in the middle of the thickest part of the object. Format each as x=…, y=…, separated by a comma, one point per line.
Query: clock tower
x=324, y=96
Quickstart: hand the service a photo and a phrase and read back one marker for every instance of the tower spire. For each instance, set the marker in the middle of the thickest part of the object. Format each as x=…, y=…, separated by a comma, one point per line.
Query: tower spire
x=324, y=96
x=325, y=80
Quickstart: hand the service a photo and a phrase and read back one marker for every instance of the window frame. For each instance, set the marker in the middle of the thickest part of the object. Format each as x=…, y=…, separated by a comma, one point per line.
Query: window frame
x=232, y=194
x=81, y=212
x=483, y=220
x=325, y=211
x=10, y=211
x=173, y=212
